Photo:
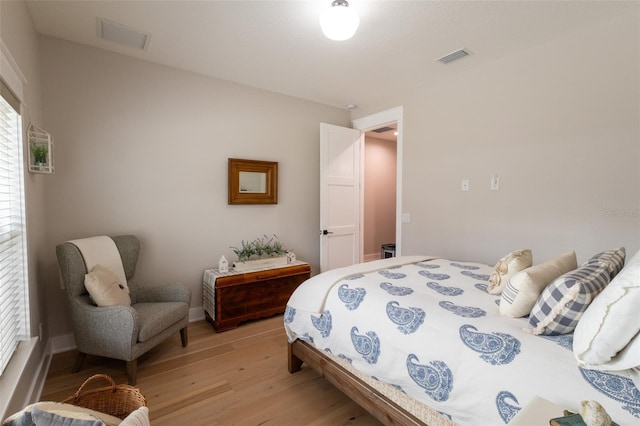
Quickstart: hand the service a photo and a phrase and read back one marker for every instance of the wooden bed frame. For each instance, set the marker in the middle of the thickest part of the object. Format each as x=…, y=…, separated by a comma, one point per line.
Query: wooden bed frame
x=376, y=403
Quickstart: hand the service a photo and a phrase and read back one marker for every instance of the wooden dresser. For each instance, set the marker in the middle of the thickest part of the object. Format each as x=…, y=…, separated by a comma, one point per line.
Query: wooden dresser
x=231, y=298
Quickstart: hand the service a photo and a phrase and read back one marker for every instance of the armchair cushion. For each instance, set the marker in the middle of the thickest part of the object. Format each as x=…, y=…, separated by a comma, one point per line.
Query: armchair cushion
x=47, y=418
x=62, y=414
x=59, y=413
x=156, y=317
x=105, y=288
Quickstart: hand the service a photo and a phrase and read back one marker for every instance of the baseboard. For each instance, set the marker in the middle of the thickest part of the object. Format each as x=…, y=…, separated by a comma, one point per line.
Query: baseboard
x=196, y=314
x=41, y=376
x=371, y=257
x=63, y=343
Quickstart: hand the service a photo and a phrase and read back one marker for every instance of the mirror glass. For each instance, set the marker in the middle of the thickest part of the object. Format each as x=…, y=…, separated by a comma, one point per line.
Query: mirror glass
x=253, y=182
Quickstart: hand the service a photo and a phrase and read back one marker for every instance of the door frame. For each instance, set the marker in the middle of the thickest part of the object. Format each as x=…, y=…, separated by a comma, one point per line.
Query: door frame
x=371, y=122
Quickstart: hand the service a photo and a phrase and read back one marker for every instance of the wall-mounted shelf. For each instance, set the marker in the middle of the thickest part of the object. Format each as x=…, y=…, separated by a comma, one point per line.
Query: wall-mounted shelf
x=40, y=150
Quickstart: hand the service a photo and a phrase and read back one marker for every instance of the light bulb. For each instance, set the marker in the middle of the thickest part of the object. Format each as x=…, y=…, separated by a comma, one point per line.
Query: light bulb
x=339, y=22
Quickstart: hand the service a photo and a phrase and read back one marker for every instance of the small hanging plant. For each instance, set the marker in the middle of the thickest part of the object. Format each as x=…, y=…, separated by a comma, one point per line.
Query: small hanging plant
x=39, y=153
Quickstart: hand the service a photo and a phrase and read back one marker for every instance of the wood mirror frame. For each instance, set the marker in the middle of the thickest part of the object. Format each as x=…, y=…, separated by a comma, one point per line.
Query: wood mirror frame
x=267, y=190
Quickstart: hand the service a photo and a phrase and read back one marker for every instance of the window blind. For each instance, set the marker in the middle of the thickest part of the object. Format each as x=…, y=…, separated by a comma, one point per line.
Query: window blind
x=14, y=303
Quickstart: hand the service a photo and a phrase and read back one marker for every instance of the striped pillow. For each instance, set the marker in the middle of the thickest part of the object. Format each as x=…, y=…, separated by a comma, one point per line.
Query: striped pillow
x=563, y=302
x=613, y=259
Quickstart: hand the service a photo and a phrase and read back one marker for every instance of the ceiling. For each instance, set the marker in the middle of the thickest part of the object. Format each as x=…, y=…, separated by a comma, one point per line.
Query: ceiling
x=278, y=45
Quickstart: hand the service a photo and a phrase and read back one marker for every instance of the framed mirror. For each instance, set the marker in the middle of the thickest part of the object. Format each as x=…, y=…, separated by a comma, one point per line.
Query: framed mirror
x=253, y=182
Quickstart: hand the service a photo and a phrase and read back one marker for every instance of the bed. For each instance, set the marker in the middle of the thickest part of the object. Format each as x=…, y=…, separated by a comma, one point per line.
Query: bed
x=419, y=340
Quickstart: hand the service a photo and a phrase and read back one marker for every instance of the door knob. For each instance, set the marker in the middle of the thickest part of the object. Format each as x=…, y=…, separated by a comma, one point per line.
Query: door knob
x=325, y=232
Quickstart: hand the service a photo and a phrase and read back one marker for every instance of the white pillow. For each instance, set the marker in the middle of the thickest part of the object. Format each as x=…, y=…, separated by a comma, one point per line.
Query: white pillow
x=138, y=417
x=105, y=288
x=506, y=267
x=607, y=336
x=523, y=289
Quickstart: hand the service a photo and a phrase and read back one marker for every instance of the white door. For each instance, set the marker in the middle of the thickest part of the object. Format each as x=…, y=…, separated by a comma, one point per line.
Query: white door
x=339, y=196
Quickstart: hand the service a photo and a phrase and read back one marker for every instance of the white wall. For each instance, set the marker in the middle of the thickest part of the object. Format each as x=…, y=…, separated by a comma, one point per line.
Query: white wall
x=558, y=122
x=142, y=148
x=379, y=195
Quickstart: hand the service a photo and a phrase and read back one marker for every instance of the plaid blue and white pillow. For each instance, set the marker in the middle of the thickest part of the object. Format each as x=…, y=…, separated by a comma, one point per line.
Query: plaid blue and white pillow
x=562, y=303
x=613, y=259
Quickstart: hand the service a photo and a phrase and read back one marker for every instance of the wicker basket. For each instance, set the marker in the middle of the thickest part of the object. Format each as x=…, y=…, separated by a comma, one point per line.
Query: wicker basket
x=115, y=400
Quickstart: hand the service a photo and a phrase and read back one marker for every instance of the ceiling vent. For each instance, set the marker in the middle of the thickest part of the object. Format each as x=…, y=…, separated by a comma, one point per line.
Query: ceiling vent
x=123, y=35
x=454, y=56
x=383, y=129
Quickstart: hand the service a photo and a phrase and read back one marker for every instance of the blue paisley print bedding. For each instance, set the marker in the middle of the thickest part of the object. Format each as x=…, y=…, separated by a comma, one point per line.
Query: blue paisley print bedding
x=432, y=331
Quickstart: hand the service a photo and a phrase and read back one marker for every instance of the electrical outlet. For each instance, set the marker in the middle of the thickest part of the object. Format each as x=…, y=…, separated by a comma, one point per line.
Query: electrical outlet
x=406, y=218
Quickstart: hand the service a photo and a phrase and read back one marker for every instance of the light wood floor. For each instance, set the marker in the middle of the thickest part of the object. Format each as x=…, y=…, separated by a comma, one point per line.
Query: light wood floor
x=238, y=377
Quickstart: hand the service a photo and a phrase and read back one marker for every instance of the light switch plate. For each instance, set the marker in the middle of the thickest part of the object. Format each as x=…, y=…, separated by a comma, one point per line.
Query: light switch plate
x=495, y=182
x=465, y=185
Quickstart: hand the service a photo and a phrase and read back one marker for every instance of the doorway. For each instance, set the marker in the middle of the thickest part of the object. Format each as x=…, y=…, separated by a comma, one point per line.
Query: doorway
x=389, y=118
x=379, y=187
x=341, y=191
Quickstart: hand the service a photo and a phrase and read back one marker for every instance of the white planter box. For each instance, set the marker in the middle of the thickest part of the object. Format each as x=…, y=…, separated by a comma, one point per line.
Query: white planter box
x=252, y=265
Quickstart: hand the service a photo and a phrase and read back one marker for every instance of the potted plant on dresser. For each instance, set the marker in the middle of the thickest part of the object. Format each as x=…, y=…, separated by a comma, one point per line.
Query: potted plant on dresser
x=263, y=252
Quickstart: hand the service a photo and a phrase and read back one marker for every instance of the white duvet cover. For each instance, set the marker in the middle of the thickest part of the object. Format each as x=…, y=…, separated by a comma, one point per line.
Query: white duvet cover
x=429, y=328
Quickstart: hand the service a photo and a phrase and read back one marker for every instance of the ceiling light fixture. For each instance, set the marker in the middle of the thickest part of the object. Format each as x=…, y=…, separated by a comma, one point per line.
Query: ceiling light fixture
x=338, y=22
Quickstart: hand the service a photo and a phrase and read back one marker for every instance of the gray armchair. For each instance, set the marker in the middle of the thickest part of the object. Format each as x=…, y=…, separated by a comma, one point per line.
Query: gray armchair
x=122, y=332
